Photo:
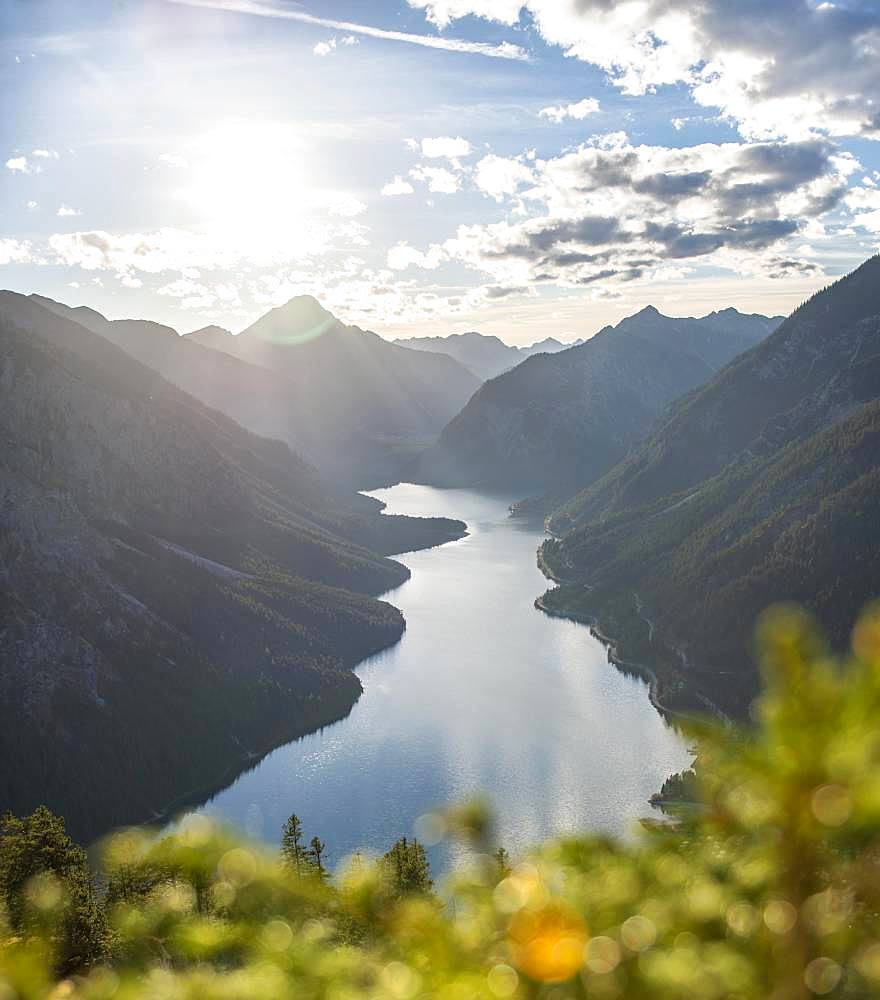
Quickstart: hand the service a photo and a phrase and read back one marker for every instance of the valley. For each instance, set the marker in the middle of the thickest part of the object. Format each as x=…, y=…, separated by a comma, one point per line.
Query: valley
x=493, y=698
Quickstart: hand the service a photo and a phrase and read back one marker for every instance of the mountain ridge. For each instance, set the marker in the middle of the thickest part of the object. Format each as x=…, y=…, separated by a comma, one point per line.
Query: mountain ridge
x=558, y=421
x=174, y=588
x=760, y=486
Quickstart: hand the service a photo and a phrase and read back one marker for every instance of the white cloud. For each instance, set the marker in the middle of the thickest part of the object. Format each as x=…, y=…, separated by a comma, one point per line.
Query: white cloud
x=350, y=40
x=439, y=179
x=192, y=294
x=611, y=212
x=15, y=252
x=578, y=111
x=346, y=205
x=865, y=204
x=173, y=160
x=401, y=256
x=130, y=281
x=31, y=205
x=790, y=68
x=18, y=165
x=65, y=211
x=499, y=176
x=445, y=147
x=505, y=50
x=46, y=154
x=396, y=187
x=325, y=48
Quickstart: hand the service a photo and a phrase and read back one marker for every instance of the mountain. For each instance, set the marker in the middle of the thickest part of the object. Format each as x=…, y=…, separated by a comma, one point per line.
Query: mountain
x=176, y=593
x=485, y=356
x=359, y=404
x=353, y=404
x=558, y=421
x=763, y=485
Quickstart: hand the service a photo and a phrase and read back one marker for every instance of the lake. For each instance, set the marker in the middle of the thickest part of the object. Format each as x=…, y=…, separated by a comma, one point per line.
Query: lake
x=483, y=694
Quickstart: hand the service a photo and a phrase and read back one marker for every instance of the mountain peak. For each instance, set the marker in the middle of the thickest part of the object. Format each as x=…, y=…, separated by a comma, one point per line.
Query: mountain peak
x=211, y=331
x=649, y=312
x=303, y=306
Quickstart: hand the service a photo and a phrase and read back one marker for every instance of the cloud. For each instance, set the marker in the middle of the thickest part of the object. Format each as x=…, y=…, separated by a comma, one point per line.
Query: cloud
x=192, y=294
x=505, y=50
x=397, y=187
x=325, y=48
x=46, y=154
x=865, y=204
x=790, y=68
x=173, y=160
x=610, y=212
x=15, y=252
x=19, y=165
x=345, y=205
x=401, y=256
x=499, y=176
x=439, y=179
x=350, y=40
x=578, y=111
x=445, y=147
x=65, y=211
x=31, y=205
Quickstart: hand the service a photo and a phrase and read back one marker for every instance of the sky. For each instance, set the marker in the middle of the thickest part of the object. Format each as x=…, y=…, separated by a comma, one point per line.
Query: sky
x=426, y=167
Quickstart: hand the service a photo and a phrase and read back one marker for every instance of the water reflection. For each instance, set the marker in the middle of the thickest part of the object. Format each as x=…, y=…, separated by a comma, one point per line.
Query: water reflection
x=482, y=694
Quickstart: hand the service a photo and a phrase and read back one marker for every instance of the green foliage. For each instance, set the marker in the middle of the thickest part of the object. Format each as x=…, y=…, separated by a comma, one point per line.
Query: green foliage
x=770, y=890
x=46, y=887
x=406, y=868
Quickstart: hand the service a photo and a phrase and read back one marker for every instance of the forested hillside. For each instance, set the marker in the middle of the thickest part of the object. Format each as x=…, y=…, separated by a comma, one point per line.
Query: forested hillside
x=177, y=593
x=559, y=421
x=789, y=510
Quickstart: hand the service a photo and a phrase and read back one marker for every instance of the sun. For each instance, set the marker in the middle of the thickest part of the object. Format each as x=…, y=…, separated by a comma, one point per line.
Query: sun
x=250, y=178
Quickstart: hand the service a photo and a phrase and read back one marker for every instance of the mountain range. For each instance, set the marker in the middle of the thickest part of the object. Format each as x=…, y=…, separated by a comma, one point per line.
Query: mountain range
x=484, y=355
x=177, y=594
x=762, y=485
x=558, y=421
x=354, y=405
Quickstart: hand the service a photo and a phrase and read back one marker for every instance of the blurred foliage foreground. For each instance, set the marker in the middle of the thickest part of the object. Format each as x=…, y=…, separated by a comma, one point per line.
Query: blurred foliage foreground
x=770, y=888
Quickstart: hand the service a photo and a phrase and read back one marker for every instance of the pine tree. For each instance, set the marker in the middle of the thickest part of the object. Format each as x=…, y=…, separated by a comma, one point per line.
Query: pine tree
x=502, y=860
x=407, y=868
x=291, y=849
x=39, y=845
x=316, y=850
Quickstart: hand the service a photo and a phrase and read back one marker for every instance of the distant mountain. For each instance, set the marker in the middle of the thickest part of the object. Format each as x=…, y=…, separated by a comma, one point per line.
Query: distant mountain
x=175, y=592
x=558, y=421
x=485, y=356
x=762, y=486
x=359, y=402
x=353, y=404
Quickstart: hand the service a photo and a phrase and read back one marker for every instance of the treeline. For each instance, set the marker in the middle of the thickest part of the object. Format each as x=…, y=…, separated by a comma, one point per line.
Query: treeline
x=43, y=872
x=770, y=889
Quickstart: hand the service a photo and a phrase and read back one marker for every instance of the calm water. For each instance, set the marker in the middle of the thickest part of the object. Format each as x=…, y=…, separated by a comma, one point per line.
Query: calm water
x=483, y=694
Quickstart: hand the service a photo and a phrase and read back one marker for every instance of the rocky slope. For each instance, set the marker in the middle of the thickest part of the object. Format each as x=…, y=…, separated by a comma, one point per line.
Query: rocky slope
x=558, y=421
x=175, y=592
